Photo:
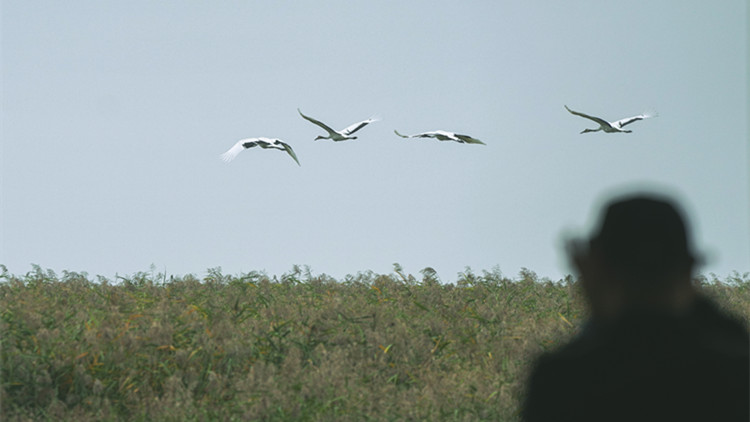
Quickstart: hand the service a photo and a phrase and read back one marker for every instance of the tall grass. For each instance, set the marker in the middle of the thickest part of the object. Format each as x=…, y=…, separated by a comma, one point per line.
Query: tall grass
x=300, y=347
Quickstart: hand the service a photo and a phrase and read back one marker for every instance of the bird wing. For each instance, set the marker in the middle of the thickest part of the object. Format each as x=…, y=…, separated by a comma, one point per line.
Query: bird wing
x=630, y=120
x=437, y=135
x=237, y=148
x=596, y=119
x=289, y=150
x=440, y=135
x=263, y=143
x=357, y=126
x=469, y=140
x=319, y=123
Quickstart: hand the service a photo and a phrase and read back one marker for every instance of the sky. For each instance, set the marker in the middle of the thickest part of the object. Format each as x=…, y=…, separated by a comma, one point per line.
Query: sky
x=114, y=115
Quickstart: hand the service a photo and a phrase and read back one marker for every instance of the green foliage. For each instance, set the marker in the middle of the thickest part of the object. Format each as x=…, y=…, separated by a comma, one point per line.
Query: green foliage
x=300, y=347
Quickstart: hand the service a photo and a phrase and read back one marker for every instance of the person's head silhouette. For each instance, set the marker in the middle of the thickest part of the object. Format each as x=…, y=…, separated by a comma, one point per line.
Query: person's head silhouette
x=640, y=256
x=656, y=348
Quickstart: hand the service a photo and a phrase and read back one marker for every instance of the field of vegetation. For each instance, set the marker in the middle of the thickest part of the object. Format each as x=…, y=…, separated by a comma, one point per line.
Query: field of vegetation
x=299, y=347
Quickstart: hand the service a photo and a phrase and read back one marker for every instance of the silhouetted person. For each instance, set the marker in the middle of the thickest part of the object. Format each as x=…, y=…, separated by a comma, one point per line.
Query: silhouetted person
x=654, y=348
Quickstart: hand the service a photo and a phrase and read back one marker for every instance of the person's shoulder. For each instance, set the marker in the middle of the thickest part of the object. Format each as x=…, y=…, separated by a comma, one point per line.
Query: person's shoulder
x=581, y=350
x=708, y=311
x=720, y=330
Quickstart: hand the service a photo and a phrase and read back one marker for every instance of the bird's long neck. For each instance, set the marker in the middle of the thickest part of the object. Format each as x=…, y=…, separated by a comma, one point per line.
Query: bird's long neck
x=591, y=130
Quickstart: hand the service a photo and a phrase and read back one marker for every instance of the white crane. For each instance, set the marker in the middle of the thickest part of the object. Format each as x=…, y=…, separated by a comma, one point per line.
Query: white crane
x=611, y=127
x=264, y=143
x=339, y=135
x=444, y=136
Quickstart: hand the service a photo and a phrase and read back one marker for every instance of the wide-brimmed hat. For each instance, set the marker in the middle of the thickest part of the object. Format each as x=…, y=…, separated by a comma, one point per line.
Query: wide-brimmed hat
x=643, y=235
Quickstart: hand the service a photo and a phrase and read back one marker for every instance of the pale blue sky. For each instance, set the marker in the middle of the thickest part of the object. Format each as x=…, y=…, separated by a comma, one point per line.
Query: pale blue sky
x=114, y=115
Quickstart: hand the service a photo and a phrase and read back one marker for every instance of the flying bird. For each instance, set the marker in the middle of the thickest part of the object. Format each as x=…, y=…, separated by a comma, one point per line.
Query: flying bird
x=339, y=135
x=444, y=136
x=264, y=143
x=611, y=127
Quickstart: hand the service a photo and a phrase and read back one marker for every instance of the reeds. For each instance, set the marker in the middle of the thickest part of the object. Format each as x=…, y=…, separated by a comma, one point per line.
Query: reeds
x=301, y=347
